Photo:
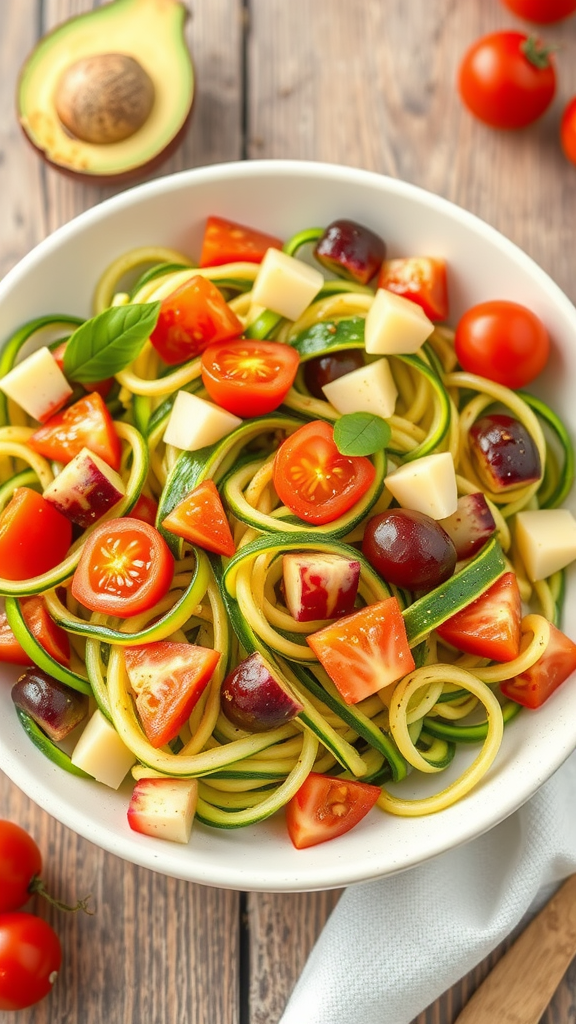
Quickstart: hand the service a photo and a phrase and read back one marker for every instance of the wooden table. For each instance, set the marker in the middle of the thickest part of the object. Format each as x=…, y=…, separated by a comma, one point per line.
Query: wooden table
x=362, y=82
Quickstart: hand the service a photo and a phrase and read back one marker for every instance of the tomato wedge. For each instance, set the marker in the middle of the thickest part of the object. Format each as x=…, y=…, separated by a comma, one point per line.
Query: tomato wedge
x=49, y=635
x=364, y=651
x=201, y=519
x=145, y=509
x=533, y=687
x=314, y=480
x=86, y=424
x=34, y=536
x=168, y=679
x=227, y=242
x=125, y=568
x=490, y=625
x=249, y=378
x=324, y=808
x=421, y=279
x=191, y=318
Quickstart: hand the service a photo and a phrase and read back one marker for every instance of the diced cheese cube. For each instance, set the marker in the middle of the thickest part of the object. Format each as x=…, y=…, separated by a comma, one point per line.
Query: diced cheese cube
x=195, y=423
x=427, y=485
x=546, y=540
x=101, y=752
x=164, y=808
x=38, y=385
x=395, y=325
x=286, y=285
x=370, y=388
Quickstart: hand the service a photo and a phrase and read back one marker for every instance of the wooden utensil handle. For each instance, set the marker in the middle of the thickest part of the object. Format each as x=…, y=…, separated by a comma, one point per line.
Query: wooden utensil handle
x=519, y=988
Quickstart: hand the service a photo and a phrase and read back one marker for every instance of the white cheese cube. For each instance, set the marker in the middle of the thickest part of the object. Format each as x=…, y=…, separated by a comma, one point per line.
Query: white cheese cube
x=426, y=485
x=370, y=388
x=38, y=385
x=546, y=540
x=101, y=752
x=395, y=325
x=195, y=423
x=286, y=285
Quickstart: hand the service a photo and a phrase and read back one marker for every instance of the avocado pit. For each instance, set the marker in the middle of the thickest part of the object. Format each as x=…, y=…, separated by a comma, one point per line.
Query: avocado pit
x=104, y=98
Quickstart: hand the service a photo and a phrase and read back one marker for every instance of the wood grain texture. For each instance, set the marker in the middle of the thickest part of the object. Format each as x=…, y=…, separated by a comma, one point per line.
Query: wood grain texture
x=370, y=84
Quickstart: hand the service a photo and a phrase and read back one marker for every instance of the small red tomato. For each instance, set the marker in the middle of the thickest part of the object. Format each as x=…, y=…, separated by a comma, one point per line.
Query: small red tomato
x=20, y=864
x=544, y=12
x=502, y=341
x=568, y=130
x=249, y=378
x=30, y=958
x=507, y=79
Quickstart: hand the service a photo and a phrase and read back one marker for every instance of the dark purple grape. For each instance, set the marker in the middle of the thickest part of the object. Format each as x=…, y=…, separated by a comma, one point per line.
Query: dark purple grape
x=409, y=549
x=254, y=698
x=324, y=369
x=350, y=250
x=504, y=452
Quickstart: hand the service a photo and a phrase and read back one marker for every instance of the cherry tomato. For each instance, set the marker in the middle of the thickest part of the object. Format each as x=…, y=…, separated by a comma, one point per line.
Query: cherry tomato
x=422, y=279
x=249, y=378
x=86, y=424
x=544, y=12
x=227, y=242
x=125, y=568
x=507, y=79
x=34, y=536
x=568, y=130
x=534, y=686
x=191, y=318
x=324, y=808
x=30, y=958
x=50, y=636
x=20, y=863
x=490, y=626
x=502, y=341
x=314, y=480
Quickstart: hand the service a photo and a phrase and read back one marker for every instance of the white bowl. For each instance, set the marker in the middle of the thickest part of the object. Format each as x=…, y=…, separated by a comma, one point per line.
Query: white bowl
x=283, y=197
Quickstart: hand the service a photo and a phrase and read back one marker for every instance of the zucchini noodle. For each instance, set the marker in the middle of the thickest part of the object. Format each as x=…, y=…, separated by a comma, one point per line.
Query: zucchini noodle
x=238, y=606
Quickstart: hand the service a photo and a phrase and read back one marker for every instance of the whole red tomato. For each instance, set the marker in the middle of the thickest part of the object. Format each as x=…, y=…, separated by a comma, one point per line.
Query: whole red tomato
x=507, y=79
x=20, y=863
x=568, y=130
x=30, y=958
x=544, y=12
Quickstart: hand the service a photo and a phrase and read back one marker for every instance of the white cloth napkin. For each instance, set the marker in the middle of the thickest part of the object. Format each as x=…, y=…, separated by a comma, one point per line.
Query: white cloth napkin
x=391, y=947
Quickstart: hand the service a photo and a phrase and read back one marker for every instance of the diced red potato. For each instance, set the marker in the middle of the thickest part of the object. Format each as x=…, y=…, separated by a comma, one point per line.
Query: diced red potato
x=164, y=808
x=85, y=489
x=56, y=708
x=253, y=696
x=319, y=586
x=38, y=385
x=470, y=526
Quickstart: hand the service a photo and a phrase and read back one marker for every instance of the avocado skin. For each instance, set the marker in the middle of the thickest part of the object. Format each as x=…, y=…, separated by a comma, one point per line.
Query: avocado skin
x=153, y=33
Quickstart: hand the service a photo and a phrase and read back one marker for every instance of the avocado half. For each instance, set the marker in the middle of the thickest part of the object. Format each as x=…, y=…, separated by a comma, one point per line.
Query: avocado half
x=148, y=32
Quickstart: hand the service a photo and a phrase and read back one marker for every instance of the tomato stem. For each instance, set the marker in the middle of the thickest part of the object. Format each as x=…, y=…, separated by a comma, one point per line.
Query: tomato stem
x=536, y=52
x=36, y=887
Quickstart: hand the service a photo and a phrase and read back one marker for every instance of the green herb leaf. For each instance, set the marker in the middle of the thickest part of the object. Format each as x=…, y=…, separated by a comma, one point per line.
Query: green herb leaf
x=361, y=433
x=109, y=342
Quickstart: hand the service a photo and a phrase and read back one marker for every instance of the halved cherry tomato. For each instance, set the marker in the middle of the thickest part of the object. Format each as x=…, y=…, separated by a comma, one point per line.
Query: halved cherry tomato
x=34, y=536
x=49, y=635
x=101, y=386
x=543, y=12
x=324, y=808
x=201, y=519
x=507, y=79
x=532, y=687
x=502, y=341
x=30, y=958
x=125, y=568
x=364, y=651
x=145, y=509
x=314, y=480
x=421, y=279
x=249, y=378
x=86, y=424
x=490, y=625
x=168, y=679
x=191, y=318
x=568, y=130
x=227, y=242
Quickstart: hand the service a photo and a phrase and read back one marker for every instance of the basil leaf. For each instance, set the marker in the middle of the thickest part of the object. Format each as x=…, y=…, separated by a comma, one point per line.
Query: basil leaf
x=361, y=433
x=109, y=342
